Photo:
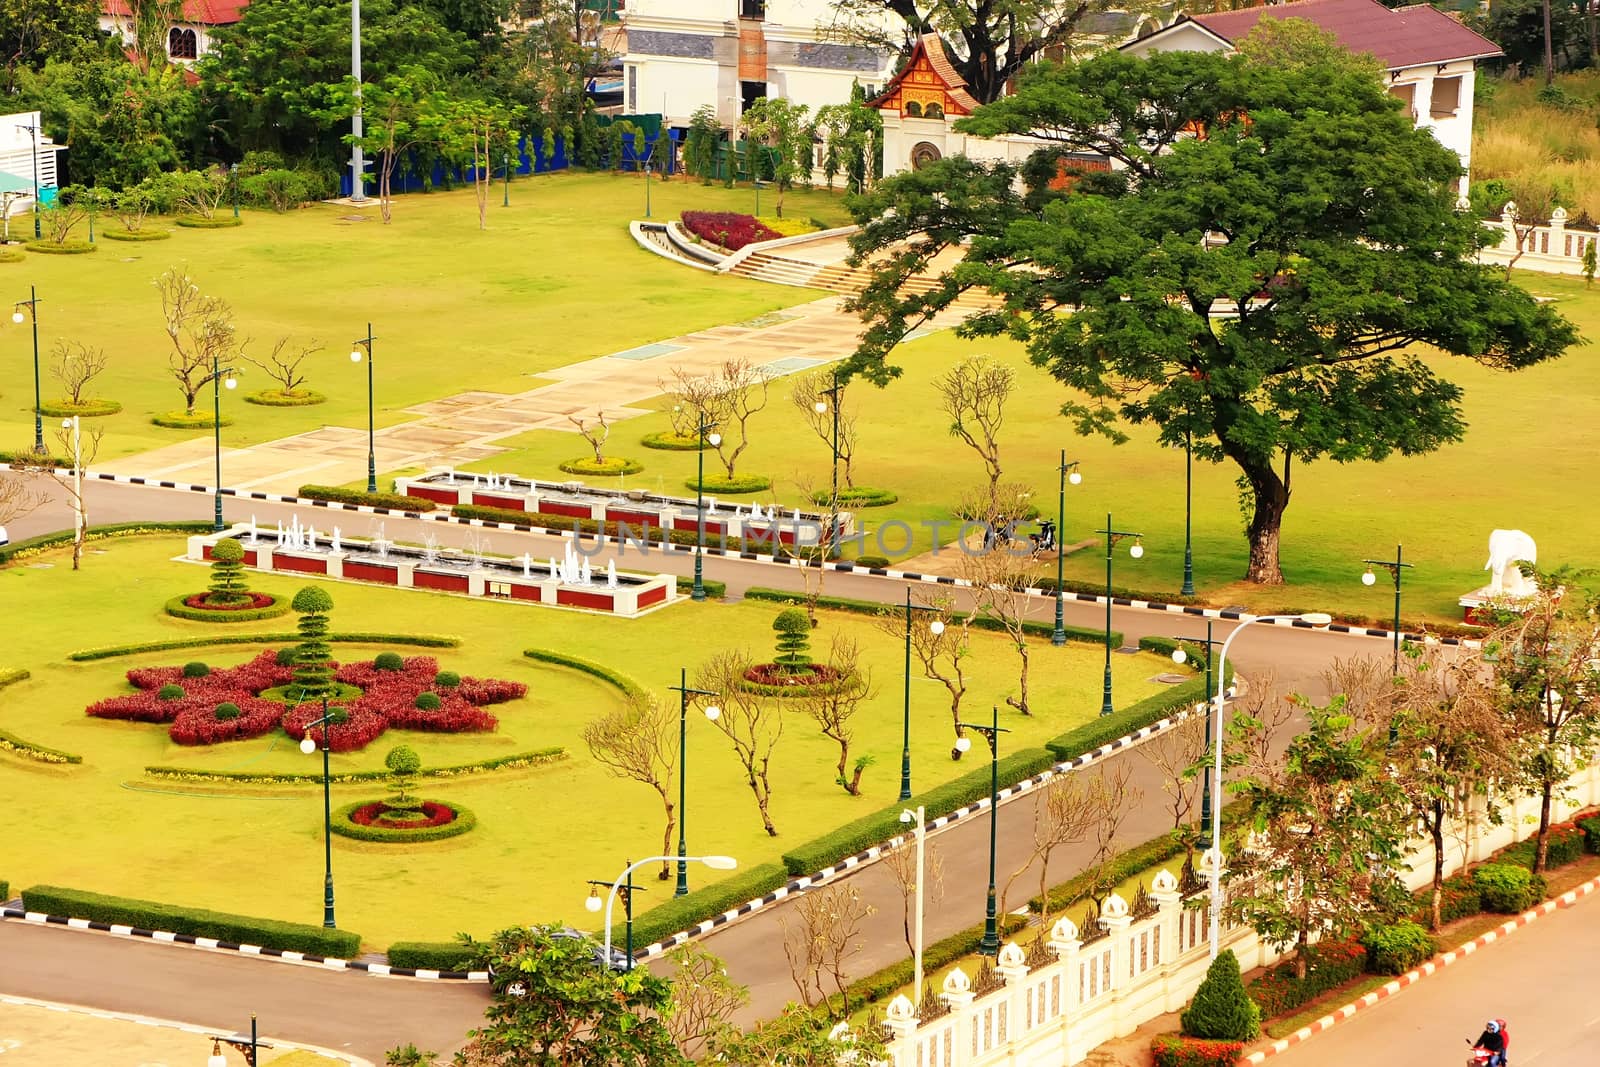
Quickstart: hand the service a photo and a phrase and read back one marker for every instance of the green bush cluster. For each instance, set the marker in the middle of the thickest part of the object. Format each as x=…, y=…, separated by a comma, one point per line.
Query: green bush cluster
x=10, y=742
x=1221, y=1010
x=447, y=679
x=714, y=590
x=1175, y=1050
x=338, y=495
x=627, y=685
x=1458, y=899
x=871, y=561
x=84, y=655
x=1332, y=964
x=515, y=759
x=344, y=827
x=427, y=702
x=285, y=656
x=1398, y=947
x=388, y=661
x=195, y=669
x=5, y=890
x=430, y=955
x=1590, y=828
x=1566, y=845
x=666, y=919
x=200, y=922
x=1507, y=888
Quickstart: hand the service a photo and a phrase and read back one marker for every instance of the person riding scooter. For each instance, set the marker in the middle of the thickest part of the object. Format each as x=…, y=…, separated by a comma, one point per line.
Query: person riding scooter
x=1493, y=1041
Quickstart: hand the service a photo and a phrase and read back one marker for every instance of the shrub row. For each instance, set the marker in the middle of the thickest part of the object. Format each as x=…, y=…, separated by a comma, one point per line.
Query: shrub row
x=345, y=826
x=10, y=742
x=1175, y=1050
x=1105, y=729
x=17, y=458
x=714, y=590
x=621, y=681
x=652, y=534
x=1332, y=964
x=533, y=758
x=418, y=640
x=1398, y=947
x=397, y=501
x=430, y=955
x=870, y=607
x=1591, y=832
x=34, y=545
x=1078, y=585
x=679, y=913
x=1507, y=888
x=1566, y=846
x=178, y=609
x=200, y=922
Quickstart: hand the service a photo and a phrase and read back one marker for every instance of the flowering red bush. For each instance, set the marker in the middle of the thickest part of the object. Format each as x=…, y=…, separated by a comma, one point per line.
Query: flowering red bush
x=252, y=601
x=387, y=699
x=729, y=229
x=807, y=674
x=435, y=815
x=1333, y=963
x=1173, y=1050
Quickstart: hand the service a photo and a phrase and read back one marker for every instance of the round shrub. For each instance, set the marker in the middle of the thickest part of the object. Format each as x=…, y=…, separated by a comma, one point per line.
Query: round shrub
x=179, y=420
x=1221, y=1010
x=170, y=692
x=312, y=600
x=1398, y=948
x=745, y=483
x=285, y=657
x=447, y=679
x=65, y=409
x=871, y=561
x=1507, y=888
x=136, y=235
x=428, y=702
x=62, y=248
x=793, y=628
x=195, y=669
x=228, y=550
x=611, y=465
x=338, y=716
x=200, y=222
x=858, y=496
x=671, y=442
x=277, y=398
x=227, y=710
x=388, y=661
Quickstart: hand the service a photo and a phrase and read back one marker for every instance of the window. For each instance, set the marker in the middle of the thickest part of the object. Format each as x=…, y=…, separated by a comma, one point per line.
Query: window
x=924, y=154
x=933, y=111
x=1406, y=94
x=633, y=88
x=1446, y=97
x=913, y=109
x=181, y=44
x=753, y=9
x=749, y=93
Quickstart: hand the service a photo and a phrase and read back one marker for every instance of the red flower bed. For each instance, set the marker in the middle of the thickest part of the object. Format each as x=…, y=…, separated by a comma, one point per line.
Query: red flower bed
x=777, y=674
x=1174, y=1050
x=729, y=229
x=257, y=600
x=436, y=815
x=1332, y=963
x=388, y=699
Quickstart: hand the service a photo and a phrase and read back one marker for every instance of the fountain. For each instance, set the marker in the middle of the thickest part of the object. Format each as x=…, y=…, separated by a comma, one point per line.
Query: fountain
x=430, y=550
x=334, y=544
x=527, y=562
x=252, y=529
x=611, y=574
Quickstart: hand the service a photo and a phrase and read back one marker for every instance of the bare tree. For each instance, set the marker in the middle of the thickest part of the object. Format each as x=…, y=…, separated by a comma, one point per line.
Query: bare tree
x=1069, y=809
x=821, y=943
x=725, y=399
x=87, y=448
x=201, y=330
x=973, y=394
x=817, y=388
x=704, y=999
x=75, y=365
x=638, y=742
x=999, y=579
x=833, y=706
x=70, y=208
x=594, y=431
x=1368, y=687
x=1119, y=801
x=752, y=722
x=1254, y=750
x=1174, y=753
x=283, y=363
x=942, y=655
x=17, y=496
x=901, y=863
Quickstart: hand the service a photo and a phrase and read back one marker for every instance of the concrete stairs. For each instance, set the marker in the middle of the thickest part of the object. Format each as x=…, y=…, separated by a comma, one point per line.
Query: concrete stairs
x=837, y=278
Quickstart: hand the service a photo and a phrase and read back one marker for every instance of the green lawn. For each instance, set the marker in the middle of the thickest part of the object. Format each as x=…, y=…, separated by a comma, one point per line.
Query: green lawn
x=541, y=832
x=554, y=280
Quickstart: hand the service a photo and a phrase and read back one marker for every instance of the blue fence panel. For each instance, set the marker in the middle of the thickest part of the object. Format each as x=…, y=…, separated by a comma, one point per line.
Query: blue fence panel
x=530, y=160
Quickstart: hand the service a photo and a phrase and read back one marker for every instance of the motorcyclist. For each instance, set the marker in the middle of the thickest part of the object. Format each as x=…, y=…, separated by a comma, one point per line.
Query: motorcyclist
x=1494, y=1041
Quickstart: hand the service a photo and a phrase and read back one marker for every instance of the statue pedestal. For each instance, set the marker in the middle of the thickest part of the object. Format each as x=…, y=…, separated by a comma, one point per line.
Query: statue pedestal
x=1478, y=607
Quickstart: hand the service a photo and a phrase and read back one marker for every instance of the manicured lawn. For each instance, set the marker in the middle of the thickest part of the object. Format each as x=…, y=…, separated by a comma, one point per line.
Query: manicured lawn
x=555, y=279
x=257, y=849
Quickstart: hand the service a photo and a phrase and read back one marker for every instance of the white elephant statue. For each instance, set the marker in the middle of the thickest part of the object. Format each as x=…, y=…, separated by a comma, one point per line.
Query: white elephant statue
x=1506, y=547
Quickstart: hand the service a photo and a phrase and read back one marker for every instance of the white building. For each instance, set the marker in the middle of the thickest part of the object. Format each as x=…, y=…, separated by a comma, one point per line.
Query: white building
x=189, y=36
x=684, y=54
x=24, y=159
x=1431, y=58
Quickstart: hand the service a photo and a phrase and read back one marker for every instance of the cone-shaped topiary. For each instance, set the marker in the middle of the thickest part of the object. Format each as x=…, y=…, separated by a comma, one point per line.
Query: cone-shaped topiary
x=403, y=763
x=228, y=585
x=794, y=644
x=1221, y=1010
x=313, y=677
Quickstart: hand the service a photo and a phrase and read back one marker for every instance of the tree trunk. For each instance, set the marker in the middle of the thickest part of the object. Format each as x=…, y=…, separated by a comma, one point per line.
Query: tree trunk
x=1271, y=500
x=1436, y=827
x=844, y=761
x=1549, y=54
x=1541, y=855
x=666, y=839
x=854, y=785
x=188, y=399
x=763, y=795
x=1021, y=703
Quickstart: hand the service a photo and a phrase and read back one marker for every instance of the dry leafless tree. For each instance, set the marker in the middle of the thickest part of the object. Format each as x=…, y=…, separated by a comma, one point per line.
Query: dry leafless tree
x=595, y=431
x=817, y=387
x=725, y=399
x=820, y=943
x=75, y=366
x=638, y=742
x=1069, y=809
x=973, y=394
x=752, y=722
x=834, y=706
x=202, y=333
x=704, y=999
x=283, y=363
x=901, y=863
x=942, y=655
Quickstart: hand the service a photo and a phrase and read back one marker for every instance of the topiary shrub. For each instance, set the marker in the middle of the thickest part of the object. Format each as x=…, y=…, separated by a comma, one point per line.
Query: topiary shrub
x=1221, y=1010
x=195, y=669
x=388, y=661
x=1397, y=948
x=447, y=679
x=403, y=763
x=226, y=711
x=170, y=692
x=427, y=702
x=1507, y=888
x=285, y=657
x=794, y=639
x=313, y=675
x=228, y=585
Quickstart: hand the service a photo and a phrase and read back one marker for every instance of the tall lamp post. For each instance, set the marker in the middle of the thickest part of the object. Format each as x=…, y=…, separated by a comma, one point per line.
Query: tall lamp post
x=713, y=713
x=822, y=407
x=1114, y=535
x=646, y=168
x=936, y=627
x=1069, y=473
x=624, y=888
x=1214, y=853
x=217, y=384
x=308, y=746
x=233, y=177
x=1180, y=656
x=248, y=1045
x=1188, y=514
x=1394, y=567
x=623, y=885
x=919, y=819
x=698, y=592
x=32, y=304
x=33, y=128
x=76, y=426
x=363, y=350
x=990, y=945
x=505, y=199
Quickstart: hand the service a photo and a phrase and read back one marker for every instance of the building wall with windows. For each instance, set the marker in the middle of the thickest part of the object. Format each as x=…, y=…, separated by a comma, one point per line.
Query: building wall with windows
x=189, y=36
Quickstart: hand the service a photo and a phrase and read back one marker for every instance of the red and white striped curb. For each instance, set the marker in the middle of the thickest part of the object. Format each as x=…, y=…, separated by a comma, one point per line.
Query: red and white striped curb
x=1433, y=966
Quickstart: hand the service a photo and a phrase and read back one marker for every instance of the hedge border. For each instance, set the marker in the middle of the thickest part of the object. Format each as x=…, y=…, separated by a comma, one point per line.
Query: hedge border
x=94, y=409
x=583, y=465
x=10, y=742
x=265, y=398
x=430, y=955
x=200, y=222
x=616, y=679
x=340, y=495
x=464, y=821
x=62, y=248
x=178, y=609
x=714, y=590
x=177, y=420
x=982, y=622
x=44, y=542
x=738, y=486
x=516, y=761
x=84, y=655
x=199, y=922
x=668, y=442
x=136, y=235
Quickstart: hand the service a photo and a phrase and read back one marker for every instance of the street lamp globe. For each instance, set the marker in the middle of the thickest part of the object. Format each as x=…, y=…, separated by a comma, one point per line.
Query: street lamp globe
x=1136, y=551
x=593, y=903
x=714, y=439
x=1180, y=656
x=963, y=744
x=936, y=627
x=906, y=816
x=1075, y=478
x=230, y=383
x=1369, y=578
x=821, y=406
x=66, y=424
x=355, y=355
x=16, y=316
x=307, y=745
x=713, y=712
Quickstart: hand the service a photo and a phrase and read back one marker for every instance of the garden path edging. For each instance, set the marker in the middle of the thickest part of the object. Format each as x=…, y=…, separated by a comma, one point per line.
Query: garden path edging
x=1433, y=966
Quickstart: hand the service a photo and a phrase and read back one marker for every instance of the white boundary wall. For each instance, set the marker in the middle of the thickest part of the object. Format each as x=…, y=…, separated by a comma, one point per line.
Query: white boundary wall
x=1551, y=248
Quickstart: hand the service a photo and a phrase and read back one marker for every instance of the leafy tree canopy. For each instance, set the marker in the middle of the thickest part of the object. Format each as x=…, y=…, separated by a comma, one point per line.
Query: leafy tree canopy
x=1256, y=270
x=33, y=32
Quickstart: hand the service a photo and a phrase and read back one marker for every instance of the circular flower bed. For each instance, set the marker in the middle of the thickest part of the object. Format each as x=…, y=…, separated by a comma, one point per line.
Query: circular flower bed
x=196, y=606
x=671, y=442
x=178, y=420
x=776, y=679
x=136, y=235
x=433, y=819
x=61, y=248
x=200, y=222
x=610, y=465
x=277, y=398
x=860, y=496
x=65, y=409
x=718, y=486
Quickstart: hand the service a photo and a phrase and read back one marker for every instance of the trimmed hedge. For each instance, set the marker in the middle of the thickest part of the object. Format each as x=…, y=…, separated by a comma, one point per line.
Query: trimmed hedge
x=1102, y=731
x=430, y=955
x=200, y=922
x=869, y=607
x=671, y=442
x=1398, y=947
x=5, y=889
x=136, y=235
x=29, y=458
x=200, y=222
x=62, y=248
x=1175, y=1050
x=10, y=742
x=357, y=496
x=1591, y=832
x=178, y=609
x=1566, y=846
x=1098, y=589
x=20, y=549
x=84, y=655
x=65, y=409
x=180, y=420
x=1507, y=888
x=860, y=496
x=1332, y=964
x=1459, y=899
x=277, y=398
x=13, y=675
x=612, y=467
x=344, y=826
x=747, y=483
x=517, y=759
x=679, y=913
x=714, y=590
x=621, y=681
x=649, y=534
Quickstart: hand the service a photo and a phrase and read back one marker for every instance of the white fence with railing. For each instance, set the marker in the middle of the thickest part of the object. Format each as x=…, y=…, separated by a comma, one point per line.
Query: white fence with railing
x=1551, y=248
x=1082, y=988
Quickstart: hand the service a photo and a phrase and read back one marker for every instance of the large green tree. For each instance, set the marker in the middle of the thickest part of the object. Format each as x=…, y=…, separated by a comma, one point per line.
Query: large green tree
x=33, y=32
x=1257, y=274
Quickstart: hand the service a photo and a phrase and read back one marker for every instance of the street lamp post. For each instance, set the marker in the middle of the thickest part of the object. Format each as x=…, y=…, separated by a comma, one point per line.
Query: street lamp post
x=822, y=407
x=624, y=885
x=363, y=350
x=233, y=176
x=936, y=627
x=646, y=168
x=33, y=128
x=626, y=889
x=1394, y=567
x=1180, y=656
x=217, y=383
x=919, y=819
x=990, y=945
x=76, y=427
x=505, y=199
x=1069, y=473
x=698, y=592
x=1188, y=514
x=248, y=1045
x=1214, y=853
x=308, y=746
x=32, y=304
x=712, y=712
x=1114, y=535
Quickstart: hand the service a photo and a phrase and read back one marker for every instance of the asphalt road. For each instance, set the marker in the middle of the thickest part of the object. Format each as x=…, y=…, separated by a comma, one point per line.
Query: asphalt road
x=1540, y=980
x=199, y=987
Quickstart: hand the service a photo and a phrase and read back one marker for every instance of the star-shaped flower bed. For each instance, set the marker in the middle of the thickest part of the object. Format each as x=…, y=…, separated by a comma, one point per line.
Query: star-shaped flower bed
x=226, y=704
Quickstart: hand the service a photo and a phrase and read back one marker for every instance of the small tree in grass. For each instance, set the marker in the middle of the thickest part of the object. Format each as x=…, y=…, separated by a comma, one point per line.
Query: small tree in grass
x=1221, y=1009
x=794, y=644
x=1588, y=264
x=228, y=584
x=313, y=676
x=403, y=763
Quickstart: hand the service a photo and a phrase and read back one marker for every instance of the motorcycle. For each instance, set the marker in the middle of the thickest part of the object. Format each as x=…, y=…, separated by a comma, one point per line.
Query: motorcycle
x=1480, y=1057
